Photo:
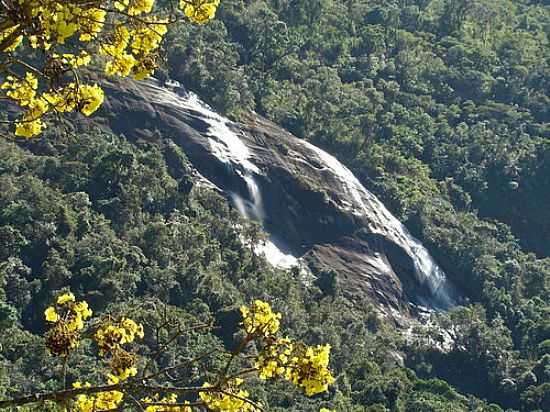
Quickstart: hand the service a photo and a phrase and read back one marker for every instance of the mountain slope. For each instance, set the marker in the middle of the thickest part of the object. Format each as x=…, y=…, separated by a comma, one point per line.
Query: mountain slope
x=303, y=196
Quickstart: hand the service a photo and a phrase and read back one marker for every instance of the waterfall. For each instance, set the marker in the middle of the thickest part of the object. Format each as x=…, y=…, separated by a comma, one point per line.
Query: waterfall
x=427, y=272
x=252, y=208
x=230, y=149
x=256, y=201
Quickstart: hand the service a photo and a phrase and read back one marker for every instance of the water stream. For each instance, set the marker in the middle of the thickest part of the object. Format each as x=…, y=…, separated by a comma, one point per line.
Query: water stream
x=427, y=271
x=230, y=149
x=226, y=145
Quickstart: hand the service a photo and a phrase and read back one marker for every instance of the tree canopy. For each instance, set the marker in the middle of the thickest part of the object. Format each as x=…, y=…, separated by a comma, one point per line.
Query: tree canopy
x=44, y=44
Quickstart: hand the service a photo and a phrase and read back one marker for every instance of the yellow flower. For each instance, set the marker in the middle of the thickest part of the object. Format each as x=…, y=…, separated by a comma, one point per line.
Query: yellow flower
x=14, y=41
x=121, y=65
x=140, y=6
x=91, y=97
x=28, y=128
x=23, y=91
x=101, y=401
x=67, y=297
x=109, y=336
x=115, y=48
x=309, y=369
x=91, y=23
x=274, y=359
x=199, y=11
x=31, y=124
x=63, y=100
x=83, y=309
x=74, y=61
x=64, y=335
x=51, y=315
x=121, y=5
x=75, y=322
x=143, y=70
x=225, y=402
x=260, y=319
x=147, y=37
x=172, y=398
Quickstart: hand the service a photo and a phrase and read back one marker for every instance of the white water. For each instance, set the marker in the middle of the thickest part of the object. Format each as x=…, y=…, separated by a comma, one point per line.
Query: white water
x=231, y=150
x=275, y=255
x=256, y=200
x=428, y=273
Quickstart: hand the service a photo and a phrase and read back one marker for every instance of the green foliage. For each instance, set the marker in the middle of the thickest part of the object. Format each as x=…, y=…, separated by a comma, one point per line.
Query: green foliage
x=441, y=107
x=175, y=245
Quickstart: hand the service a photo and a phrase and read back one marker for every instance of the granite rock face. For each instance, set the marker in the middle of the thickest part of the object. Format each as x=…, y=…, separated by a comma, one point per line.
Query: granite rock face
x=317, y=211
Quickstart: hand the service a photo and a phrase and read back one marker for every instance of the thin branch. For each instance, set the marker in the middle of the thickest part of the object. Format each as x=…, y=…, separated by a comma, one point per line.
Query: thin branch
x=242, y=373
x=181, y=364
x=177, y=335
x=222, y=376
x=60, y=396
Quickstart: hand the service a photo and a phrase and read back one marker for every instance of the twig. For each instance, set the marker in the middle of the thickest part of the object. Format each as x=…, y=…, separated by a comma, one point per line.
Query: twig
x=181, y=364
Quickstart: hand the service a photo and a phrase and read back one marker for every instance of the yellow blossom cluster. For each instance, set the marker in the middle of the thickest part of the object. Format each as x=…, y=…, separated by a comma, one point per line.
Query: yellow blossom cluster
x=69, y=60
x=135, y=7
x=110, y=336
x=23, y=91
x=308, y=369
x=69, y=34
x=101, y=401
x=304, y=366
x=46, y=23
x=71, y=97
x=259, y=319
x=132, y=50
x=273, y=361
x=199, y=11
x=232, y=399
x=90, y=22
x=67, y=320
x=163, y=404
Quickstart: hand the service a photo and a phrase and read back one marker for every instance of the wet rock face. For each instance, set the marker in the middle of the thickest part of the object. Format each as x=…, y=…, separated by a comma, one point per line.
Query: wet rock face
x=303, y=196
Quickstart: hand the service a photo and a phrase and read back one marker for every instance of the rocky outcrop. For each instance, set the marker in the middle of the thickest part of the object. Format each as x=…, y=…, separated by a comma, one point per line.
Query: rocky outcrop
x=303, y=196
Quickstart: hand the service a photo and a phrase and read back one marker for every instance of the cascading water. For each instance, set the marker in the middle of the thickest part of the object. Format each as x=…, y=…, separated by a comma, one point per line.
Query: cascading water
x=428, y=273
x=230, y=149
x=252, y=207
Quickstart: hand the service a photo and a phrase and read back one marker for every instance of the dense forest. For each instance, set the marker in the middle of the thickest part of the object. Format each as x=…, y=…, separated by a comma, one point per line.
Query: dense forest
x=440, y=107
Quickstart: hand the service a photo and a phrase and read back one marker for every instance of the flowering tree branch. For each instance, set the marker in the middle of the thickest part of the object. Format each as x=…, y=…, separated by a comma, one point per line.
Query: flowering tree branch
x=71, y=34
x=306, y=367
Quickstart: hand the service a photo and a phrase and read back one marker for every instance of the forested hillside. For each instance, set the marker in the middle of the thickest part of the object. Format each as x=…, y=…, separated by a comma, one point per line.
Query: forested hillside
x=440, y=107
x=128, y=233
